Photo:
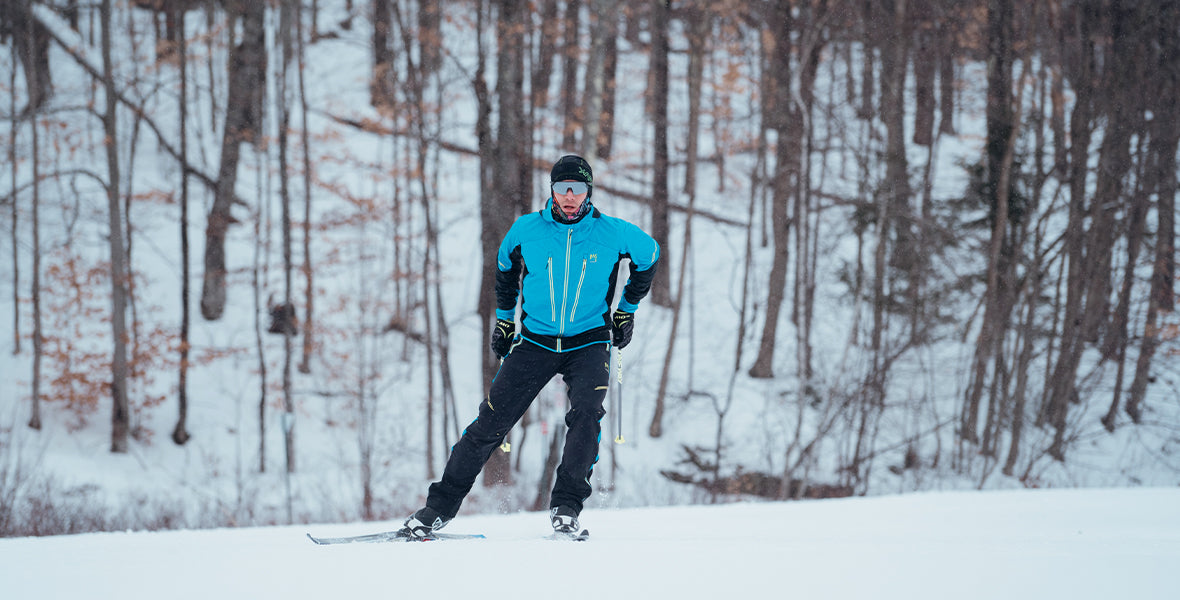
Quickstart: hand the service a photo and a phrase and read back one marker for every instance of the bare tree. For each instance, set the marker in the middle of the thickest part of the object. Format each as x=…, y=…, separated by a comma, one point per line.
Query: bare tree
x=786, y=120
x=35, y=292
x=308, y=178
x=383, y=88
x=120, y=414
x=1090, y=279
x=509, y=196
x=610, y=67
x=22, y=27
x=699, y=21
x=1164, y=129
x=14, y=173
x=947, y=30
x=1060, y=388
x=999, y=159
x=545, y=54
x=282, y=105
x=815, y=16
x=604, y=14
x=661, y=292
x=925, y=66
x=243, y=118
x=570, y=108
x=180, y=433
x=30, y=43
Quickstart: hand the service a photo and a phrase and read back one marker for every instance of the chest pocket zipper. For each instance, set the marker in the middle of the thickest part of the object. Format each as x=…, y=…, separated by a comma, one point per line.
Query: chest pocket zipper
x=552, y=297
x=578, y=293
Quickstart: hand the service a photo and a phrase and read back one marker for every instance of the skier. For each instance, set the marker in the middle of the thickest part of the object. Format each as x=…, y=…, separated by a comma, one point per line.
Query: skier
x=562, y=261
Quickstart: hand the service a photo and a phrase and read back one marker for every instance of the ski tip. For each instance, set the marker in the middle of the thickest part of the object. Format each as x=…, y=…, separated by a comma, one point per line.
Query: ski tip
x=314, y=539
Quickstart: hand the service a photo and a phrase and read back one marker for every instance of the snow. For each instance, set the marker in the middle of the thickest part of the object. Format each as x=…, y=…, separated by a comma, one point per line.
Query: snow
x=1077, y=544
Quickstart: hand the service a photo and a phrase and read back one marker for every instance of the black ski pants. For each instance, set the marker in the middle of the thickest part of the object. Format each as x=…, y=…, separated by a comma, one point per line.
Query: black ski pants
x=522, y=375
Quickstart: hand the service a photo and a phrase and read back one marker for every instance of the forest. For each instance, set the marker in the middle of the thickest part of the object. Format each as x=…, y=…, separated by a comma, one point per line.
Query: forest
x=905, y=245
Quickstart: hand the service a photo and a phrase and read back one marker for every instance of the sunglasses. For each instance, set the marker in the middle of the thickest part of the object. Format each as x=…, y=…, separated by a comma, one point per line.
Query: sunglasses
x=577, y=187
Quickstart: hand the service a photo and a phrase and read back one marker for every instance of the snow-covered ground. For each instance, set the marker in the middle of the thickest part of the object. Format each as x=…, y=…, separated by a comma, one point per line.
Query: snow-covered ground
x=1069, y=544
x=996, y=544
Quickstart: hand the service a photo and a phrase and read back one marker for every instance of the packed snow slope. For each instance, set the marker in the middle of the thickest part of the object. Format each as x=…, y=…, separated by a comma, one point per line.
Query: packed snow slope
x=1071, y=544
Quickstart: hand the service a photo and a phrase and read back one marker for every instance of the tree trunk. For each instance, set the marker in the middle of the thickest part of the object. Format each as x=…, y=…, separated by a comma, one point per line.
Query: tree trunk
x=259, y=310
x=606, y=125
x=180, y=432
x=904, y=257
x=994, y=327
x=546, y=53
x=1123, y=102
x=807, y=218
x=510, y=195
x=286, y=17
x=602, y=35
x=698, y=26
x=35, y=165
x=1061, y=384
x=430, y=42
x=570, y=109
x=947, y=51
x=35, y=291
x=786, y=175
x=488, y=207
x=1023, y=363
x=925, y=66
x=120, y=413
x=14, y=172
x=1164, y=137
x=1114, y=347
x=242, y=121
x=868, y=38
x=308, y=180
x=30, y=42
x=383, y=88
x=661, y=291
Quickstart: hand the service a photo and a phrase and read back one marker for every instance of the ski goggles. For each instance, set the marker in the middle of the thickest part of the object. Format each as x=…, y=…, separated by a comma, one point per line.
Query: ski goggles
x=577, y=187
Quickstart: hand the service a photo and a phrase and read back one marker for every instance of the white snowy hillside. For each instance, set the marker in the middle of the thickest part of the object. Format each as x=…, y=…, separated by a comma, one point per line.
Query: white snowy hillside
x=820, y=337
x=1035, y=545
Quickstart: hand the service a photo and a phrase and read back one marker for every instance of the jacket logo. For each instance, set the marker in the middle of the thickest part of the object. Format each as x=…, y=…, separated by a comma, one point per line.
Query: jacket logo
x=593, y=258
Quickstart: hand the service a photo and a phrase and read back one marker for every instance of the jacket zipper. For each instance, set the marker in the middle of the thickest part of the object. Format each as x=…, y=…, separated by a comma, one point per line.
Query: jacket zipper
x=578, y=293
x=565, y=286
x=552, y=297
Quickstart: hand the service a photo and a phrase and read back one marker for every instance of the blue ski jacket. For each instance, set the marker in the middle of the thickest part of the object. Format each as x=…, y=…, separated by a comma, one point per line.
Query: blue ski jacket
x=565, y=275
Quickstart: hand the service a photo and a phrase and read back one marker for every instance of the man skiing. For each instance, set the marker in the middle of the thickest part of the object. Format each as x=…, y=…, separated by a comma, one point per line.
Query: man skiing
x=562, y=261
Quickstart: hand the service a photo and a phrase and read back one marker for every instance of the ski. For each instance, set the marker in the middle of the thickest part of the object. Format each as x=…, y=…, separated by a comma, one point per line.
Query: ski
x=391, y=536
x=572, y=537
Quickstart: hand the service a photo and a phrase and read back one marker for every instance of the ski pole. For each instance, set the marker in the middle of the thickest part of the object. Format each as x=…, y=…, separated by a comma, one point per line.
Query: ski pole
x=619, y=408
x=505, y=445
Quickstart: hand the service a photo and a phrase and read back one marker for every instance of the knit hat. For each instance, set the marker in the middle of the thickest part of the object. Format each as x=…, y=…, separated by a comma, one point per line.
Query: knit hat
x=573, y=167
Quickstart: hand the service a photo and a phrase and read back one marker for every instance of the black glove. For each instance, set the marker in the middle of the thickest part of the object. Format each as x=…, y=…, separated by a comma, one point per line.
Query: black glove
x=502, y=337
x=622, y=327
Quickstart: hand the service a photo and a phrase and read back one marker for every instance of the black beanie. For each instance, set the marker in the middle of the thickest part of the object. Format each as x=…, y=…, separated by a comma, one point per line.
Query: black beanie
x=573, y=167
